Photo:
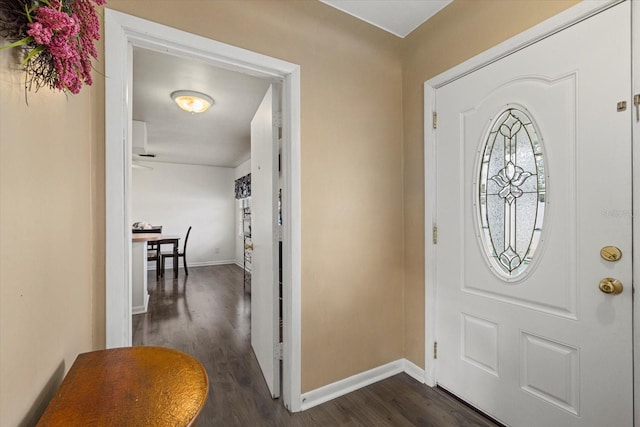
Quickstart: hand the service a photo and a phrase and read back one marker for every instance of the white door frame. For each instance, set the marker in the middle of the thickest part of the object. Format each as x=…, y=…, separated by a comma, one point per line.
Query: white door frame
x=551, y=26
x=635, y=132
x=122, y=32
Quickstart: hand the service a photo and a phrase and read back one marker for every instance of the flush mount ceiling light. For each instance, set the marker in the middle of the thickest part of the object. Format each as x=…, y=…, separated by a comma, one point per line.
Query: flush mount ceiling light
x=191, y=101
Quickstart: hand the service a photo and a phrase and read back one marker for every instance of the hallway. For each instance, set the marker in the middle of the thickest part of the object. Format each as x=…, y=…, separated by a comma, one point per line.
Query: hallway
x=207, y=315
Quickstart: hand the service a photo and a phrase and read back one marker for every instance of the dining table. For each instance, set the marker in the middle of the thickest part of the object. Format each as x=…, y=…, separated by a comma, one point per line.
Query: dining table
x=161, y=239
x=140, y=294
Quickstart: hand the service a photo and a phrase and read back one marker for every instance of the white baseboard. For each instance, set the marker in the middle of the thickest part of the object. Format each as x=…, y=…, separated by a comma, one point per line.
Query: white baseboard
x=206, y=263
x=355, y=382
x=140, y=309
x=151, y=266
x=242, y=266
x=414, y=371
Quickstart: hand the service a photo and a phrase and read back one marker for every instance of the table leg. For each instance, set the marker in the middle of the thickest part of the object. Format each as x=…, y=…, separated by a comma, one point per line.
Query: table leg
x=160, y=260
x=175, y=260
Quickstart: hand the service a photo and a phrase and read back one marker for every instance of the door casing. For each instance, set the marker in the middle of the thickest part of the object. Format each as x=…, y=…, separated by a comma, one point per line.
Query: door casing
x=122, y=32
x=551, y=26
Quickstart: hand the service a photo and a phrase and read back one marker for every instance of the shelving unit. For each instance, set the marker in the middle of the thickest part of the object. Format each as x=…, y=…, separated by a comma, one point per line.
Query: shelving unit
x=248, y=244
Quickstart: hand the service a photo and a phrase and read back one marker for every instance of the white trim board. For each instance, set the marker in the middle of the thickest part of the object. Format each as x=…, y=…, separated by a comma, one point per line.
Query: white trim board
x=141, y=308
x=635, y=132
x=122, y=32
x=555, y=24
x=414, y=371
x=151, y=266
x=241, y=266
x=355, y=382
x=208, y=263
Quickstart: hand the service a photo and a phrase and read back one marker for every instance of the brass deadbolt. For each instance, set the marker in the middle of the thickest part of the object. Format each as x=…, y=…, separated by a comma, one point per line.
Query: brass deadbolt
x=611, y=286
x=611, y=253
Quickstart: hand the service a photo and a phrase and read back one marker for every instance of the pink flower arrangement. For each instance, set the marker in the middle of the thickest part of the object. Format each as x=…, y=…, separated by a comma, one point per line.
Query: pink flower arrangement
x=62, y=34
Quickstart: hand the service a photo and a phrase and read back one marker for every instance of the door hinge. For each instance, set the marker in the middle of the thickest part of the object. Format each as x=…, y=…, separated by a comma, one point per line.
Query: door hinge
x=435, y=234
x=277, y=351
x=277, y=123
x=435, y=120
x=277, y=119
x=435, y=349
x=636, y=103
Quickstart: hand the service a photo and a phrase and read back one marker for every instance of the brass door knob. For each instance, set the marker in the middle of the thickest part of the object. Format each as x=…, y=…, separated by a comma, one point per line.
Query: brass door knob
x=611, y=253
x=611, y=286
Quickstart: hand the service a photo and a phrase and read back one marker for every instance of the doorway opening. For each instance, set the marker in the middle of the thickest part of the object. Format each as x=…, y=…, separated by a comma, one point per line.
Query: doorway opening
x=123, y=33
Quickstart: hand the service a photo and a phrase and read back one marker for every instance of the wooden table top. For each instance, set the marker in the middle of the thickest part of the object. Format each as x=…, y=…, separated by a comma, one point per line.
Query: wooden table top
x=132, y=386
x=152, y=237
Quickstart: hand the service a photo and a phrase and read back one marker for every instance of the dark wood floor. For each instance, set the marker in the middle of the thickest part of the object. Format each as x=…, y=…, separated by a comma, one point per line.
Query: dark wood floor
x=207, y=315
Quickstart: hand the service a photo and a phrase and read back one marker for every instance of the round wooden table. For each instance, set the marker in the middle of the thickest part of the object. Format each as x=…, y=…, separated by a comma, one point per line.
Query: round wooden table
x=132, y=386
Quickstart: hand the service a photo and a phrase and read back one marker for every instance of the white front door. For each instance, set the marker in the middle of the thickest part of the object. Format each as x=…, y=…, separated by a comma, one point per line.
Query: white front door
x=533, y=181
x=264, y=260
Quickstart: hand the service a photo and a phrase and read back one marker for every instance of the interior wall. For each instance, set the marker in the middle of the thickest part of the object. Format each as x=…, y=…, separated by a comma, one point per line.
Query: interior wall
x=177, y=196
x=359, y=185
x=459, y=32
x=351, y=132
x=240, y=171
x=46, y=240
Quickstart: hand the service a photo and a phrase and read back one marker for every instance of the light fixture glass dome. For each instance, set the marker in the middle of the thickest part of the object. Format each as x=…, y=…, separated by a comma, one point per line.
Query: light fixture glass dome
x=191, y=101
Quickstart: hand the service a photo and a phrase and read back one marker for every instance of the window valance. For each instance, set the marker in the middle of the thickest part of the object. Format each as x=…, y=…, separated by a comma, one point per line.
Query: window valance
x=243, y=187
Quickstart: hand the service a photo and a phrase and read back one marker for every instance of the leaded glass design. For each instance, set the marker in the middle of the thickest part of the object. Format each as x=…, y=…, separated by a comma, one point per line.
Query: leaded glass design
x=511, y=193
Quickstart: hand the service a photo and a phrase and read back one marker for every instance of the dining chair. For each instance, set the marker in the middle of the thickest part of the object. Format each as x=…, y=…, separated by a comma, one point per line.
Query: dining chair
x=151, y=245
x=153, y=254
x=181, y=254
x=153, y=249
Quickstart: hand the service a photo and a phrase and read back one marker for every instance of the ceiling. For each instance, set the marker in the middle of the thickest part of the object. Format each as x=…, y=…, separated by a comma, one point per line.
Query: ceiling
x=221, y=135
x=218, y=137
x=399, y=17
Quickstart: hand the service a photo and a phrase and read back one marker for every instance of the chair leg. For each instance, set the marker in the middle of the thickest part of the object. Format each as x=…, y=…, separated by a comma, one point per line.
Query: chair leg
x=175, y=266
x=184, y=261
x=162, y=266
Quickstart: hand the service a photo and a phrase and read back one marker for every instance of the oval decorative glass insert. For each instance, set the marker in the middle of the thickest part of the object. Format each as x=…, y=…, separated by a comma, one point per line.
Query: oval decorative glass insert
x=511, y=193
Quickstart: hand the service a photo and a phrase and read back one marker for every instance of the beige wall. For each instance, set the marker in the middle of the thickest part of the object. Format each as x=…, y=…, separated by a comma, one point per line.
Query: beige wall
x=351, y=206
x=457, y=33
x=46, y=283
x=351, y=79
x=362, y=187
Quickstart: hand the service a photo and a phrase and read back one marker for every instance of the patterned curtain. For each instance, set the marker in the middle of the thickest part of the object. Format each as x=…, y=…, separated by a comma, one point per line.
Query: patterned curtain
x=243, y=187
